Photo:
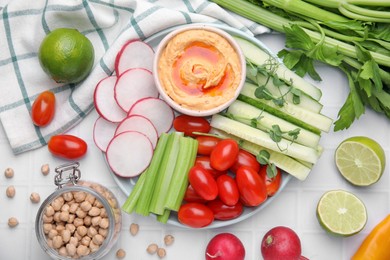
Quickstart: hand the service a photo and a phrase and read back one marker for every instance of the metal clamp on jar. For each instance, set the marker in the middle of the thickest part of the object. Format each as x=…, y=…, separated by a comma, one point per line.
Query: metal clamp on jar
x=80, y=220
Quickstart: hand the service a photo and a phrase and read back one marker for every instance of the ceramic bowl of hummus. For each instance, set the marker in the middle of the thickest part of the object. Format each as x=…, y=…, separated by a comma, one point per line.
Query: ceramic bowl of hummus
x=199, y=70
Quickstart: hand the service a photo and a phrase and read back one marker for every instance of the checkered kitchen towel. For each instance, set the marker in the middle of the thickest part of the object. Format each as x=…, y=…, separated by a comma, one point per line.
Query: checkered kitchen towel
x=108, y=24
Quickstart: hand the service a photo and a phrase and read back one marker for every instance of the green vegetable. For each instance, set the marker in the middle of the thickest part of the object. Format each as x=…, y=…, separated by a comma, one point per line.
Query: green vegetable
x=353, y=35
x=161, y=187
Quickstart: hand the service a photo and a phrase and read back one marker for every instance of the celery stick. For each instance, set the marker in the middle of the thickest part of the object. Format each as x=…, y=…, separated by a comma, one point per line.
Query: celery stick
x=185, y=161
x=165, y=174
x=132, y=200
x=144, y=200
x=164, y=217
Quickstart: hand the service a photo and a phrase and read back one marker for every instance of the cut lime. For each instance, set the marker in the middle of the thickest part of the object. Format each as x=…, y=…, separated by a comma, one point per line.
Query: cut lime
x=341, y=213
x=360, y=160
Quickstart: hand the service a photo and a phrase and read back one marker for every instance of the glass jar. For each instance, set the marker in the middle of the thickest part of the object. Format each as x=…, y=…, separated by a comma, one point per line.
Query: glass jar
x=81, y=219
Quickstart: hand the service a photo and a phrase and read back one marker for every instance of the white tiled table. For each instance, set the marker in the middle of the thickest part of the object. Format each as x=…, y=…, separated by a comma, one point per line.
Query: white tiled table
x=295, y=207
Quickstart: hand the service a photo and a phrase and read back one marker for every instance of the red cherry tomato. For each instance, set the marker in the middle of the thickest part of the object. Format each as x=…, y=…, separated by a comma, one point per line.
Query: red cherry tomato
x=204, y=161
x=206, y=144
x=195, y=215
x=67, y=146
x=228, y=190
x=273, y=184
x=189, y=124
x=203, y=183
x=224, y=154
x=247, y=159
x=253, y=190
x=224, y=212
x=191, y=196
x=43, y=108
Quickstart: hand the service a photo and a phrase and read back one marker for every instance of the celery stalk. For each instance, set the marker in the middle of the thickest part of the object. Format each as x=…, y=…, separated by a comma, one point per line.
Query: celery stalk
x=185, y=160
x=144, y=200
x=132, y=200
x=164, y=217
x=166, y=171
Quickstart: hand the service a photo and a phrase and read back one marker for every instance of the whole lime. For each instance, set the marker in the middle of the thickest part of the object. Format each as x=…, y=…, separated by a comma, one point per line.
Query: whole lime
x=66, y=55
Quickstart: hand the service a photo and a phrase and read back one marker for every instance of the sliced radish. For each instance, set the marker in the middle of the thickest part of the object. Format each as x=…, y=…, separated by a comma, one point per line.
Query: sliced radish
x=140, y=124
x=103, y=132
x=157, y=111
x=133, y=85
x=129, y=153
x=104, y=100
x=134, y=54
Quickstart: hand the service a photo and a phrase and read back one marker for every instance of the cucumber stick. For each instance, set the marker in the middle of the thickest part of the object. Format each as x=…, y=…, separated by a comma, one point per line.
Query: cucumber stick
x=289, y=165
x=261, y=138
x=246, y=114
x=309, y=120
x=305, y=101
x=260, y=57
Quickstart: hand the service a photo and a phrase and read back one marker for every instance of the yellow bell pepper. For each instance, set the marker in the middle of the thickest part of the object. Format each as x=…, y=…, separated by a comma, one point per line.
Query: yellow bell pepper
x=376, y=246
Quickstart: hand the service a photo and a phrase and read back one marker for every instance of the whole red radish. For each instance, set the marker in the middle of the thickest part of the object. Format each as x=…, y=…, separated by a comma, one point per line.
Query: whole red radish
x=225, y=246
x=281, y=243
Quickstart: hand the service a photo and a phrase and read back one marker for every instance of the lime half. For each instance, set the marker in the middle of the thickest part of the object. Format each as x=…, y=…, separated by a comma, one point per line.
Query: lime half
x=360, y=160
x=341, y=213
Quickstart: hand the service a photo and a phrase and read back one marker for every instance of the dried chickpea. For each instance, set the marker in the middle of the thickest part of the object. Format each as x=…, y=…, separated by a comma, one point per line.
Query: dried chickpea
x=93, y=246
x=80, y=213
x=120, y=253
x=65, y=207
x=70, y=227
x=86, y=240
x=52, y=233
x=73, y=207
x=68, y=196
x=12, y=222
x=134, y=228
x=95, y=221
x=64, y=216
x=161, y=252
x=92, y=232
x=57, y=203
x=46, y=228
x=104, y=223
x=71, y=249
x=152, y=249
x=78, y=222
x=103, y=231
x=74, y=241
x=49, y=211
x=9, y=173
x=82, y=231
x=79, y=196
x=62, y=251
x=87, y=221
x=98, y=239
x=168, y=240
x=35, y=198
x=82, y=250
x=45, y=169
x=57, y=242
x=90, y=198
x=71, y=218
x=66, y=235
x=94, y=211
x=47, y=219
x=10, y=192
x=85, y=206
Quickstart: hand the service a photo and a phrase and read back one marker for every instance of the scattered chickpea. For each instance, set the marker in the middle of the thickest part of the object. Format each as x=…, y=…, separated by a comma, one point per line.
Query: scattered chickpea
x=168, y=240
x=45, y=169
x=9, y=173
x=12, y=222
x=161, y=252
x=152, y=249
x=120, y=253
x=10, y=192
x=134, y=228
x=35, y=198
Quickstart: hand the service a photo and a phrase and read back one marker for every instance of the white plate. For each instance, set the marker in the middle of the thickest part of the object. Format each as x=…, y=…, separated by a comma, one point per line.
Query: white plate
x=126, y=185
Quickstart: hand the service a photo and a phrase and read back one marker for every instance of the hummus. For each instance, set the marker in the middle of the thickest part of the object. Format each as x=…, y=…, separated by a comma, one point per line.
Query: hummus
x=199, y=69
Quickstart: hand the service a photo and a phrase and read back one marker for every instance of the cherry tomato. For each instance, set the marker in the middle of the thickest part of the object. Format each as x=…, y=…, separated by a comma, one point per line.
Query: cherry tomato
x=206, y=144
x=253, y=190
x=43, y=108
x=195, y=215
x=189, y=124
x=273, y=184
x=67, y=146
x=224, y=212
x=224, y=154
x=204, y=161
x=245, y=158
x=191, y=196
x=228, y=190
x=203, y=183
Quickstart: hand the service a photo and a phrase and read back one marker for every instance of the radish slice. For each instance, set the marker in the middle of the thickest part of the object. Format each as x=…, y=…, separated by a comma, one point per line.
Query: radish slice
x=133, y=85
x=103, y=132
x=104, y=100
x=129, y=153
x=140, y=124
x=157, y=111
x=134, y=54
